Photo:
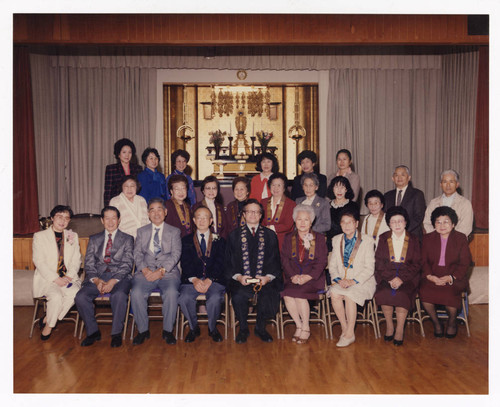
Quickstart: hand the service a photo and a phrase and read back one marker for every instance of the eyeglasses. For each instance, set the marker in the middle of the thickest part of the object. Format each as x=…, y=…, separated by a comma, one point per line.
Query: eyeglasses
x=443, y=222
x=211, y=188
x=397, y=222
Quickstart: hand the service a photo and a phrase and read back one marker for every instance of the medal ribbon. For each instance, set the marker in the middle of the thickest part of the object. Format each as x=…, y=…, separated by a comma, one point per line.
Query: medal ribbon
x=186, y=221
x=402, y=258
x=198, y=250
x=246, y=255
x=279, y=209
x=377, y=225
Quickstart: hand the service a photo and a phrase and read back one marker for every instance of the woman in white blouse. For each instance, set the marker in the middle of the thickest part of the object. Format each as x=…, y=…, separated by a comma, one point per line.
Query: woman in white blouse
x=133, y=208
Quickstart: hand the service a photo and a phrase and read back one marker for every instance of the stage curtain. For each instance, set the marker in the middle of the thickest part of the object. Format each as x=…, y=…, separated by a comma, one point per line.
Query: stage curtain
x=480, y=185
x=422, y=118
x=24, y=162
x=79, y=114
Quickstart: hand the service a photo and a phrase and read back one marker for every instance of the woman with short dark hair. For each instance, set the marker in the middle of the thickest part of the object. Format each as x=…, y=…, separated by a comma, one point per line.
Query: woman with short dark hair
x=308, y=160
x=241, y=190
x=341, y=194
x=278, y=209
x=344, y=169
x=180, y=159
x=212, y=199
x=445, y=260
x=57, y=258
x=374, y=223
x=152, y=181
x=124, y=151
x=267, y=164
x=178, y=209
x=397, y=272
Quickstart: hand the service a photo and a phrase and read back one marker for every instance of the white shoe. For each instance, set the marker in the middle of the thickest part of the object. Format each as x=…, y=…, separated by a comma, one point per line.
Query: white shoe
x=343, y=341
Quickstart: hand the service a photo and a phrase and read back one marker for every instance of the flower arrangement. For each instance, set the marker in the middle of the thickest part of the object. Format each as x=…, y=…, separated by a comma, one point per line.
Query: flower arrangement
x=307, y=240
x=264, y=137
x=70, y=236
x=217, y=137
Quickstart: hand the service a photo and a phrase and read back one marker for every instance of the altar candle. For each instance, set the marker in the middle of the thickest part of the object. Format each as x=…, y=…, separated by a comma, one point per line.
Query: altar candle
x=253, y=128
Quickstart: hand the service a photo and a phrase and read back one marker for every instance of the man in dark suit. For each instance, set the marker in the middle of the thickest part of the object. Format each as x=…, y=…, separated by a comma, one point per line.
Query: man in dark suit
x=252, y=253
x=156, y=253
x=108, y=264
x=410, y=198
x=202, y=262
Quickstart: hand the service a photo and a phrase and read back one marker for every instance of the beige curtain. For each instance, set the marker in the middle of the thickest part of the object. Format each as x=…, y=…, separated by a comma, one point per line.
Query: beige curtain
x=79, y=113
x=422, y=118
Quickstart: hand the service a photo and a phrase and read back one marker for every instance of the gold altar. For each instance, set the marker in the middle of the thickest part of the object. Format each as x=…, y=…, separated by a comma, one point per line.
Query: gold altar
x=239, y=116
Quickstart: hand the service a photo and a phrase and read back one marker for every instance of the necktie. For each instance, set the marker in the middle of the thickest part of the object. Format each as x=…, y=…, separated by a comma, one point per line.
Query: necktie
x=107, y=252
x=156, y=242
x=203, y=244
x=253, y=232
x=398, y=200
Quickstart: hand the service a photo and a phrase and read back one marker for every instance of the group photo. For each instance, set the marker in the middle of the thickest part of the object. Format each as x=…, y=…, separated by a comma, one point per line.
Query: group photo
x=260, y=212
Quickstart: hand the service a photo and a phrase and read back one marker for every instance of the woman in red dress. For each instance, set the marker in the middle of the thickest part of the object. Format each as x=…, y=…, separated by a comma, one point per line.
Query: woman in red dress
x=234, y=210
x=278, y=209
x=446, y=258
x=267, y=164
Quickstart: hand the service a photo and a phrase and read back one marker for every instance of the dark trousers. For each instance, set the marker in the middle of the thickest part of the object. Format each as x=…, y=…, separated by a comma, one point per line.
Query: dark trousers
x=267, y=303
x=84, y=301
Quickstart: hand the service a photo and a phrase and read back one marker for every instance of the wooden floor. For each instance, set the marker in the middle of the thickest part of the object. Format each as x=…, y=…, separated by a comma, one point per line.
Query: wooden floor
x=422, y=366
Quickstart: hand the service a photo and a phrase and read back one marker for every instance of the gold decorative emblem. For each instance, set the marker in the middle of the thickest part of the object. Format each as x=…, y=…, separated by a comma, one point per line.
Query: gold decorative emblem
x=241, y=74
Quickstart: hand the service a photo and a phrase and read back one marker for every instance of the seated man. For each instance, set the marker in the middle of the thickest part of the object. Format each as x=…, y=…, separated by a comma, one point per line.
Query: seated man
x=412, y=199
x=108, y=264
x=156, y=253
x=253, y=268
x=450, y=197
x=202, y=262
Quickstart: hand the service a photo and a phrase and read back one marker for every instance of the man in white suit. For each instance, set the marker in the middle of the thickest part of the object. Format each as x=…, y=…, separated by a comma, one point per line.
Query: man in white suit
x=108, y=264
x=57, y=258
x=156, y=253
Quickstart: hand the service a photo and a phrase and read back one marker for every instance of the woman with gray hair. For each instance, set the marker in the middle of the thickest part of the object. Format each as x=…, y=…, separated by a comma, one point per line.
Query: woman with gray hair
x=304, y=256
x=310, y=184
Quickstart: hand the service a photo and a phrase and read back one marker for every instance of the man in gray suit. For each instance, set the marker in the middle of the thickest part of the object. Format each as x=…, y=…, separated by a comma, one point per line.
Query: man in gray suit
x=108, y=264
x=156, y=253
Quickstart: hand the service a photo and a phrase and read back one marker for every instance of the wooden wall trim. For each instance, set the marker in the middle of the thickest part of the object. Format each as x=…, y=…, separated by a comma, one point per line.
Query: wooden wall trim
x=243, y=29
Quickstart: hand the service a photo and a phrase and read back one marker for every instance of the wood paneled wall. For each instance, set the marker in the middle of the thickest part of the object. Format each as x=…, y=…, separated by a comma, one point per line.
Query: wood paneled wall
x=479, y=247
x=23, y=254
x=249, y=29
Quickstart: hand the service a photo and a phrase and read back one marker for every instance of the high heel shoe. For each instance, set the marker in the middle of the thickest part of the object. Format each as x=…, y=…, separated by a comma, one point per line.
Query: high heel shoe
x=439, y=334
x=41, y=324
x=398, y=343
x=388, y=338
x=301, y=341
x=296, y=337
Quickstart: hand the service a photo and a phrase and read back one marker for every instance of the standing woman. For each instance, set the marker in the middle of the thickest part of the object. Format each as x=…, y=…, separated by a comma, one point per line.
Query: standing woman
x=307, y=160
x=278, y=209
x=303, y=257
x=178, y=210
x=152, y=181
x=351, y=269
x=180, y=159
x=446, y=258
x=340, y=193
x=321, y=206
x=133, y=208
x=212, y=199
x=375, y=223
x=397, y=272
x=267, y=164
x=344, y=162
x=57, y=258
x=234, y=210
x=124, y=151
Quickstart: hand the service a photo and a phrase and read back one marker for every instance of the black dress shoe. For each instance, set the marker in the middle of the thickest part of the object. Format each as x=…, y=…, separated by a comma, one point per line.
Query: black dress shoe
x=192, y=334
x=439, y=334
x=90, y=339
x=388, y=338
x=42, y=324
x=45, y=337
x=169, y=337
x=215, y=335
x=398, y=343
x=242, y=336
x=116, y=340
x=140, y=338
x=263, y=335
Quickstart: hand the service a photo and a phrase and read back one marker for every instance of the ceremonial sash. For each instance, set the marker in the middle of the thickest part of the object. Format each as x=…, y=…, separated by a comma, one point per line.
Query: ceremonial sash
x=185, y=220
x=246, y=254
